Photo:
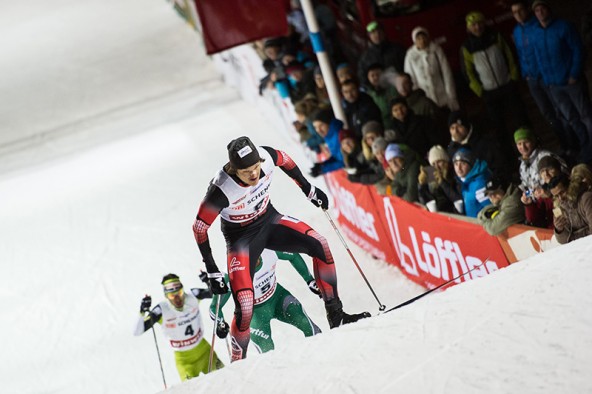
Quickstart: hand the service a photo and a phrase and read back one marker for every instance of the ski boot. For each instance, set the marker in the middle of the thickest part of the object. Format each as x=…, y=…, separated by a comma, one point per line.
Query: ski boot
x=337, y=317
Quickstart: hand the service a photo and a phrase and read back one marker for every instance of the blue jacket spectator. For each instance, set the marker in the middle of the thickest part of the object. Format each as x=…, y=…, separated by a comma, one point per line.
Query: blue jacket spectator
x=328, y=127
x=472, y=175
x=559, y=51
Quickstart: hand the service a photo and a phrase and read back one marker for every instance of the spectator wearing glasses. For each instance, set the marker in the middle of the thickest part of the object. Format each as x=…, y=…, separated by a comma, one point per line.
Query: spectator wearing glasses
x=538, y=203
x=183, y=327
x=573, y=206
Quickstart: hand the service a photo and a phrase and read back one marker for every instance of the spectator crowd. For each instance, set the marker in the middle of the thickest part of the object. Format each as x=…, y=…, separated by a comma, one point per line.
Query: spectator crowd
x=408, y=133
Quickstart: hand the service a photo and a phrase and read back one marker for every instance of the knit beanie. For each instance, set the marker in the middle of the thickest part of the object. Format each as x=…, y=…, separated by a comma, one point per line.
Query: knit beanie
x=392, y=151
x=417, y=30
x=372, y=126
x=524, y=133
x=464, y=154
x=345, y=133
x=458, y=117
x=474, y=17
x=242, y=153
x=437, y=152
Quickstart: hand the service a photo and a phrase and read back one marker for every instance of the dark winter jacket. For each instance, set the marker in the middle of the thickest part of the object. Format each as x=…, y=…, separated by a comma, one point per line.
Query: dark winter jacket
x=405, y=183
x=510, y=211
x=417, y=131
x=559, y=52
x=387, y=54
x=360, y=112
x=579, y=219
x=444, y=193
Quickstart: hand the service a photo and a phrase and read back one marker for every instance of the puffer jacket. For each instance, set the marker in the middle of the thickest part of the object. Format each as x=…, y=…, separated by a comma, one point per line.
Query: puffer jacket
x=523, y=40
x=473, y=188
x=405, y=184
x=430, y=71
x=488, y=62
x=579, y=219
x=510, y=211
x=559, y=52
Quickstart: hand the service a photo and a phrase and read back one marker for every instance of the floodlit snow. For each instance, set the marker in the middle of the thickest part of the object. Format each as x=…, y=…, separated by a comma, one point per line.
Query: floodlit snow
x=112, y=124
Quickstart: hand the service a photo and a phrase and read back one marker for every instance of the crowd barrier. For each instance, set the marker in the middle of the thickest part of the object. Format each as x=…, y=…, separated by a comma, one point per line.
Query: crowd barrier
x=430, y=248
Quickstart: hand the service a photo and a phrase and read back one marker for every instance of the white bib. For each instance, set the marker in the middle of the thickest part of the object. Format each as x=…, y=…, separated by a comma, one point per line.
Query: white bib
x=183, y=328
x=246, y=202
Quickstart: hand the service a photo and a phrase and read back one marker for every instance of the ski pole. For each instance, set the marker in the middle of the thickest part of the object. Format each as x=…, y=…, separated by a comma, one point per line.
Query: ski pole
x=214, y=335
x=159, y=360
x=381, y=305
x=434, y=289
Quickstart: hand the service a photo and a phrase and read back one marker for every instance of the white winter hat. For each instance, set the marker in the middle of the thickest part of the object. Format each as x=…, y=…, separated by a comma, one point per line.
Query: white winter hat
x=417, y=30
x=437, y=153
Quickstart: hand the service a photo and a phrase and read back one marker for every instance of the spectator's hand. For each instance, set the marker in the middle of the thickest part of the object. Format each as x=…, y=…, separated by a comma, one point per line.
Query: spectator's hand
x=422, y=178
x=571, y=81
x=318, y=198
x=312, y=285
x=525, y=199
x=146, y=303
x=559, y=221
x=222, y=329
x=216, y=283
x=316, y=170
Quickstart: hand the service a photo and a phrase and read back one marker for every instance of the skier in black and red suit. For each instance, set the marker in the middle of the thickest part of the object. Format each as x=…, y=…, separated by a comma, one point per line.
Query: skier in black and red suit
x=239, y=193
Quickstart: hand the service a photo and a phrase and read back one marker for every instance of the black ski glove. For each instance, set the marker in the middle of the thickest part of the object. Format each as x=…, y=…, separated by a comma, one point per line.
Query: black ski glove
x=312, y=285
x=318, y=198
x=222, y=329
x=316, y=170
x=146, y=303
x=203, y=276
x=216, y=283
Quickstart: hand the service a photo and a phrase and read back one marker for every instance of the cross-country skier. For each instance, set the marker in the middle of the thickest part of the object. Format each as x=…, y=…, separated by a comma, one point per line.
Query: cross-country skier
x=272, y=301
x=181, y=321
x=240, y=194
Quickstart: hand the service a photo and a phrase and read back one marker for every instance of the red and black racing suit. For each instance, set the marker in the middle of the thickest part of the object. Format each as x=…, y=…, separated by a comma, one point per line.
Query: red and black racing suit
x=249, y=233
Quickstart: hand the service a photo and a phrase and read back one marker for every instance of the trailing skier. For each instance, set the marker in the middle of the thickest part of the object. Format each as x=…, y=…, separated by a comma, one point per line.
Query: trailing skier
x=182, y=325
x=272, y=301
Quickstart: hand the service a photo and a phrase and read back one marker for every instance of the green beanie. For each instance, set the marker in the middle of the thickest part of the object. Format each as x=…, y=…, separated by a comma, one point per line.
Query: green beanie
x=524, y=134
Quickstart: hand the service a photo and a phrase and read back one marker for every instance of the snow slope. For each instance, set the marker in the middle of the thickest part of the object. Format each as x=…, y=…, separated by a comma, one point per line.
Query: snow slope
x=110, y=134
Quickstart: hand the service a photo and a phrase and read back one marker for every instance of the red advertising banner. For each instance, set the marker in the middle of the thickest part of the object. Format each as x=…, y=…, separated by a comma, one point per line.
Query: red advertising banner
x=433, y=248
x=358, y=217
x=429, y=248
